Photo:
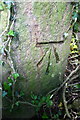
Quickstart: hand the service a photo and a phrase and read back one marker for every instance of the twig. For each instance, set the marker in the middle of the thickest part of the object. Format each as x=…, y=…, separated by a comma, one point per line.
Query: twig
x=8, y=99
x=74, y=57
x=28, y=103
x=65, y=102
x=9, y=45
x=13, y=71
x=67, y=79
x=10, y=61
x=52, y=91
x=74, y=84
x=64, y=98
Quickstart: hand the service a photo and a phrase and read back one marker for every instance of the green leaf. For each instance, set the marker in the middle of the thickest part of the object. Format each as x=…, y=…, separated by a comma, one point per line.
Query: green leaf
x=17, y=103
x=48, y=98
x=10, y=84
x=8, y=3
x=44, y=116
x=75, y=15
x=4, y=93
x=49, y=103
x=36, y=102
x=39, y=104
x=76, y=27
x=56, y=116
x=11, y=33
x=33, y=102
x=33, y=96
x=65, y=35
x=1, y=62
x=43, y=99
x=15, y=75
x=10, y=80
x=77, y=86
x=6, y=86
x=37, y=109
x=1, y=50
x=21, y=93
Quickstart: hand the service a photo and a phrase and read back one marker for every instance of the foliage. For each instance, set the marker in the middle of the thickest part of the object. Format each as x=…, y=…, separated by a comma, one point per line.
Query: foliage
x=11, y=33
x=65, y=35
x=1, y=62
x=76, y=27
x=15, y=75
x=77, y=86
x=8, y=3
x=1, y=50
x=44, y=116
x=41, y=100
x=44, y=107
x=7, y=86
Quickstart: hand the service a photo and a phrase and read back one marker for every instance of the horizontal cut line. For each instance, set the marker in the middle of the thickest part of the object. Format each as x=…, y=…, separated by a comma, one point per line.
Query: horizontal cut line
x=50, y=42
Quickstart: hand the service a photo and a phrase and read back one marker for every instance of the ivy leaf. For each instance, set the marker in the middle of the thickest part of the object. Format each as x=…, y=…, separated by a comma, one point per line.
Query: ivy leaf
x=37, y=102
x=77, y=86
x=75, y=16
x=10, y=80
x=56, y=116
x=43, y=99
x=48, y=98
x=10, y=84
x=11, y=33
x=17, y=103
x=44, y=116
x=65, y=35
x=21, y=93
x=33, y=102
x=1, y=62
x=8, y=3
x=50, y=103
x=15, y=75
x=1, y=50
x=75, y=27
x=4, y=93
x=33, y=96
x=6, y=86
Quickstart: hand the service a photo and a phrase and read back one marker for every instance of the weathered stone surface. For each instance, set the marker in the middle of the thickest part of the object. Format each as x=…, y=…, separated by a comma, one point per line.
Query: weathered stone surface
x=41, y=66
x=41, y=22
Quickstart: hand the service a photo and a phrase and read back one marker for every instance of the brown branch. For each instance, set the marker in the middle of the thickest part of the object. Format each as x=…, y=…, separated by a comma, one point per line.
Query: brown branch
x=67, y=79
x=65, y=102
x=27, y=103
x=64, y=96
